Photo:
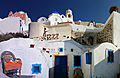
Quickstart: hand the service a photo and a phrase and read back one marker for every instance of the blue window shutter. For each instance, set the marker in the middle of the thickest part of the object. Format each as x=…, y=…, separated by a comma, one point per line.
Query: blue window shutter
x=110, y=56
x=36, y=68
x=89, y=58
x=60, y=49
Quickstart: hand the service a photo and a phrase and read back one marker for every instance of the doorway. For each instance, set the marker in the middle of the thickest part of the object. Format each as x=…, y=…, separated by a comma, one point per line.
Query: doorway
x=60, y=65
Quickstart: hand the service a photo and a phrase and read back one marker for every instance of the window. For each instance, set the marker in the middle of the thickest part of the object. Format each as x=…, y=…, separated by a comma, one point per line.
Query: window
x=60, y=49
x=71, y=50
x=77, y=60
x=50, y=55
x=64, y=35
x=67, y=36
x=62, y=16
x=31, y=45
x=36, y=68
x=89, y=58
x=55, y=19
x=20, y=23
x=44, y=49
x=42, y=19
x=110, y=56
x=69, y=16
x=22, y=29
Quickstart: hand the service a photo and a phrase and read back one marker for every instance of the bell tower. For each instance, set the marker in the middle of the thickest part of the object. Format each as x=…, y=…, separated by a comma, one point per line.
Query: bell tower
x=69, y=14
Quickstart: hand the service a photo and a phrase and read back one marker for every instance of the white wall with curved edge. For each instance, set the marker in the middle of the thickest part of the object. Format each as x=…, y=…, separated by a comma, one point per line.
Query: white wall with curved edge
x=21, y=49
x=100, y=65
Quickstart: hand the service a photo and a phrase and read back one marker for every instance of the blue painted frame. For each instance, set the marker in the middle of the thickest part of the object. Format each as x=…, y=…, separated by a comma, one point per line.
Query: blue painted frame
x=73, y=61
x=108, y=56
x=33, y=65
x=89, y=60
x=60, y=64
x=60, y=50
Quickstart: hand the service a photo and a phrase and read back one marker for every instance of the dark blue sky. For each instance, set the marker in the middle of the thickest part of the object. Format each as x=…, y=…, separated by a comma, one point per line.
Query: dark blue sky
x=84, y=10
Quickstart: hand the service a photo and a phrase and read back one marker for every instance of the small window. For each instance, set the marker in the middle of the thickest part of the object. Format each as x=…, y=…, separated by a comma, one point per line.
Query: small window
x=44, y=49
x=56, y=19
x=22, y=29
x=77, y=60
x=69, y=16
x=31, y=45
x=20, y=23
x=42, y=19
x=62, y=16
x=110, y=56
x=64, y=35
x=67, y=36
x=47, y=51
x=89, y=58
x=50, y=55
x=60, y=49
x=71, y=50
x=36, y=68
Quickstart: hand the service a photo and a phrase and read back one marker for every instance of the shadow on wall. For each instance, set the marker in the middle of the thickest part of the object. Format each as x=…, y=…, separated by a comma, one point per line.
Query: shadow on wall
x=51, y=73
x=77, y=73
x=107, y=70
x=7, y=36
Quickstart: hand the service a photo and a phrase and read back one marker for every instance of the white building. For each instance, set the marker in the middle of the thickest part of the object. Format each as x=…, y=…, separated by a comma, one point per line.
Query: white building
x=59, y=56
x=10, y=24
x=17, y=22
x=103, y=51
x=55, y=18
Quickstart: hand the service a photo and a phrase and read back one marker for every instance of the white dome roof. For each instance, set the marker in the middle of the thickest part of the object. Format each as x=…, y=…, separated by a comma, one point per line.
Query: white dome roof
x=21, y=12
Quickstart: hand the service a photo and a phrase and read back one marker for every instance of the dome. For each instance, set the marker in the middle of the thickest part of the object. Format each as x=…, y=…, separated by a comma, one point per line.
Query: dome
x=55, y=12
x=21, y=12
x=42, y=20
x=1, y=19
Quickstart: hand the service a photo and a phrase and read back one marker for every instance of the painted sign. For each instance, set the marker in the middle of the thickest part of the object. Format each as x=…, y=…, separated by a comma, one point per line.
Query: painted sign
x=49, y=36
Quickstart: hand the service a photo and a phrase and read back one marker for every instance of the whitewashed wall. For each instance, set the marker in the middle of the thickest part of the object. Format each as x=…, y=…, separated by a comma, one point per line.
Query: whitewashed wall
x=77, y=50
x=52, y=33
x=86, y=68
x=101, y=67
x=21, y=49
x=36, y=30
x=116, y=28
x=10, y=24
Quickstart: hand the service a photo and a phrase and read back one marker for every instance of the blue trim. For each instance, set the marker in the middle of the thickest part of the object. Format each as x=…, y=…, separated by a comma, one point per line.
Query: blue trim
x=110, y=50
x=60, y=49
x=33, y=65
x=89, y=58
x=74, y=61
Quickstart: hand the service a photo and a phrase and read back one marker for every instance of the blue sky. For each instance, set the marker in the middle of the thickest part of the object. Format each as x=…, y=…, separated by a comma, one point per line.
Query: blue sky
x=84, y=10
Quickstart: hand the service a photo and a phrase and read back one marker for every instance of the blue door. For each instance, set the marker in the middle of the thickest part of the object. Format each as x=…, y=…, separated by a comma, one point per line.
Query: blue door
x=60, y=69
